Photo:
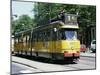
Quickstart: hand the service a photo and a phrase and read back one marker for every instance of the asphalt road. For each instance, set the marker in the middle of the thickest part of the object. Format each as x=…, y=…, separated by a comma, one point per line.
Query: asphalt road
x=22, y=65
x=18, y=69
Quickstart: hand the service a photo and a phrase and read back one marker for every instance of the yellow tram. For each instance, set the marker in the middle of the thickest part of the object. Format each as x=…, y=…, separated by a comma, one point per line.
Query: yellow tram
x=57, y=40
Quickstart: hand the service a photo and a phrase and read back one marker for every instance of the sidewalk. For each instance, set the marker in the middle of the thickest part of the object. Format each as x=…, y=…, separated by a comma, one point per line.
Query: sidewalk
x=88, y=54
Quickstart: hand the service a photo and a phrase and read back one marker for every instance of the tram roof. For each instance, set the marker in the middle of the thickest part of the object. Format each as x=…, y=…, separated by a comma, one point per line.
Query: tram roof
x=52, y=24
x=24, y=32
x=57, y=23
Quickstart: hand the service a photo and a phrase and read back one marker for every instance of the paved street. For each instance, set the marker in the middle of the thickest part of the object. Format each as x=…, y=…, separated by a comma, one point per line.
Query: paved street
x=22, y=65
x=18, y=68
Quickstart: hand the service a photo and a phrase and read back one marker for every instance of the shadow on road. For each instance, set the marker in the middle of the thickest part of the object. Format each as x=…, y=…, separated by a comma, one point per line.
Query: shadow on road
x=46, y=60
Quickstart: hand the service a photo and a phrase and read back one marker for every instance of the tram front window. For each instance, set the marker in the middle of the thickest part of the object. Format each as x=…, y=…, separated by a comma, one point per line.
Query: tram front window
x=69, y=35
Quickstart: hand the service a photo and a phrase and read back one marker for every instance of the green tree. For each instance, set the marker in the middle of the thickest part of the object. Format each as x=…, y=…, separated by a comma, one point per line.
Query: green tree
x=23, y=23
x=45, y=11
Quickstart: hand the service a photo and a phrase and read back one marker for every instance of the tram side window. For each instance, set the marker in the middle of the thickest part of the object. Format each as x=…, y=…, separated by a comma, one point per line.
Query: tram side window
x=24, y=39
x=43, y=36
x=47, y=37
x=20, y=40
x=35, y=37
x=54, y=36
x=58, y=35
x=32, y=37
x=29, y=38
x=63, y=36
x=16, y=41
x=39, y=37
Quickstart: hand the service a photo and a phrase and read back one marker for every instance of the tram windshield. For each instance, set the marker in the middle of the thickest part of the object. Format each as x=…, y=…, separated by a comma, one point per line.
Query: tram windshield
x=69, y=35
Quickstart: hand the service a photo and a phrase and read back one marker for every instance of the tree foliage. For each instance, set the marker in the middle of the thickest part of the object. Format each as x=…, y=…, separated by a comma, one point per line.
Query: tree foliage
x=23, y=23
x=46, y=11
